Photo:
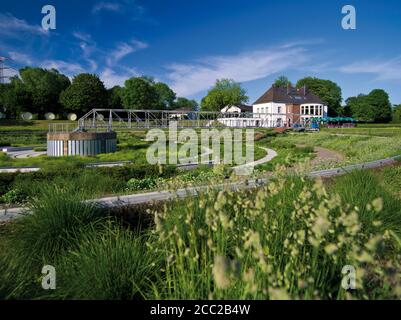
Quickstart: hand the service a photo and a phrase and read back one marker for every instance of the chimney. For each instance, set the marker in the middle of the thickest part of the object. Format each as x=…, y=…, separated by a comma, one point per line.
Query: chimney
x=304, y=90
x=288, y=88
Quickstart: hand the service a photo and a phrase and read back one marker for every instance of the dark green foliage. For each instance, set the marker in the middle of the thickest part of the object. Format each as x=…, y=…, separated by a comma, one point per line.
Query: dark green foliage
x=374, y=107
x=15, y=99
x=166, y=96
x=184, y=103
x=86, y=92
x=115, y=98
x=139, y=94
x=326, y=90
x=44, y=87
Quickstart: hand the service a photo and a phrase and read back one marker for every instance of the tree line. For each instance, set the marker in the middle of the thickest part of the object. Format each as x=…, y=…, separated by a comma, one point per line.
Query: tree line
x=39, y=91
x=373, y=107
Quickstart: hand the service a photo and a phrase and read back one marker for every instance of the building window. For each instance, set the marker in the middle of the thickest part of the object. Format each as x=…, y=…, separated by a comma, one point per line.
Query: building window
x=278, y=109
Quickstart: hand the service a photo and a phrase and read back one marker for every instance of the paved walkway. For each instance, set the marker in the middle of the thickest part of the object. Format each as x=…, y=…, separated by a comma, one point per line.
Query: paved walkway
x=270, y=154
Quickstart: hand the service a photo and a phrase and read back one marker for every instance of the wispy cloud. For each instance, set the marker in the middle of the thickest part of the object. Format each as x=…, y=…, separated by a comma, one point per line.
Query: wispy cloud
x=191, y=78
x=69, y=68
x=127, y=7
x=82, y=36
x=383, y=70
x=14, y=27
x=106, y=6
x=88, y=47
x=21, y=58
x=123, y=49
x=112, y=78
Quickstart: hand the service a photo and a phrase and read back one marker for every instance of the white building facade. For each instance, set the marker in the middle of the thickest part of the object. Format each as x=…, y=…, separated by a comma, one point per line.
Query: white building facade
x=286, y=106
x=277, y=107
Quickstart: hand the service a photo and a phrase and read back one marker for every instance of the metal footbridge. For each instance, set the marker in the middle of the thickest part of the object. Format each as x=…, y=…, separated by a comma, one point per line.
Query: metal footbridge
x=111, y=119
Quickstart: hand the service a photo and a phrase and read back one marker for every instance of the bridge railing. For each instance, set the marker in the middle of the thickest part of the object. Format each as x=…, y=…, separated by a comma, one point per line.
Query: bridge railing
x=107, y=119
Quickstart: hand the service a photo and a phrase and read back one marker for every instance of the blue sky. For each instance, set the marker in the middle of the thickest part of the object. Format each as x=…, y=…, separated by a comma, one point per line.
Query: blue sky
x=188, y=44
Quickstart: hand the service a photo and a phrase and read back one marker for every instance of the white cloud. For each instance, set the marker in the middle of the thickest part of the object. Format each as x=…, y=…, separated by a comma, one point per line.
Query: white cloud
x=110, y=78
x=67, y=68
x=384, y=70
x=188, y=79
x=123, y=49
x=82, y=36
x=107, y=6
x=21, y=58
x=13, y=27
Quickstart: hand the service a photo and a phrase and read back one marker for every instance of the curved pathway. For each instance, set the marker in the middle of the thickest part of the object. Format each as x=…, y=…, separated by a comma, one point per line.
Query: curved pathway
x=270, y=154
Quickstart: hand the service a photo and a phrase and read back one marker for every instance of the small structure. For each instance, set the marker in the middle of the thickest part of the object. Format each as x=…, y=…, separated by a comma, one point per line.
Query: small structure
x=237, y=108
x=80, y=143
x=237, y=116
x=180, y=114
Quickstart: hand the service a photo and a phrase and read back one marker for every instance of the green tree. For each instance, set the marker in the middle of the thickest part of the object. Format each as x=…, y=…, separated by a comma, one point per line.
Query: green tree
x=396, y=115
x=380, y=105
x=4, y=87
x=184, y=103
x=225, y=92
x=282, y=81
x=44, y=87
x=358, y=108
x=139, y=93
x=114, y=95
x=374, y=107
x=15, y=98
x=326, y=90
x=166, y=96
x=86, y=92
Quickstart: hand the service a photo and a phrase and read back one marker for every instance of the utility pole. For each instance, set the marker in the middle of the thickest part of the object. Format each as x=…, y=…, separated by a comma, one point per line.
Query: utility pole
x=3, y=67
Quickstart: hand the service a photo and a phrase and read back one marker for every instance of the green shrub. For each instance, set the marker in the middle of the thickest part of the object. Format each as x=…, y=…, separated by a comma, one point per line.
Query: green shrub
x=134, y=184
x=108, y=264
x=57, y=221
x=14, y=196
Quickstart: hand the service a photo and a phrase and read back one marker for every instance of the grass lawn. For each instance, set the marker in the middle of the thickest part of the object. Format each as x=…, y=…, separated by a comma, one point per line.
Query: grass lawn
x=355, y=148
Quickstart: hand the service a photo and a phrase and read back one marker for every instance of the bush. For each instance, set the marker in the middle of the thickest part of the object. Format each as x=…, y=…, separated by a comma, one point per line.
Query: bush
x=110, y=264
x=134, y=184
x=57, y=221
x=14, y=196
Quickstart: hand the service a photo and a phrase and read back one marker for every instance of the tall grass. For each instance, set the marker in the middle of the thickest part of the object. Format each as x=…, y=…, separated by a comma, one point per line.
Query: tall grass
x=360, y=188
x=110, y=264
x=289, y=239
x=57, y=222
x=58, y=219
